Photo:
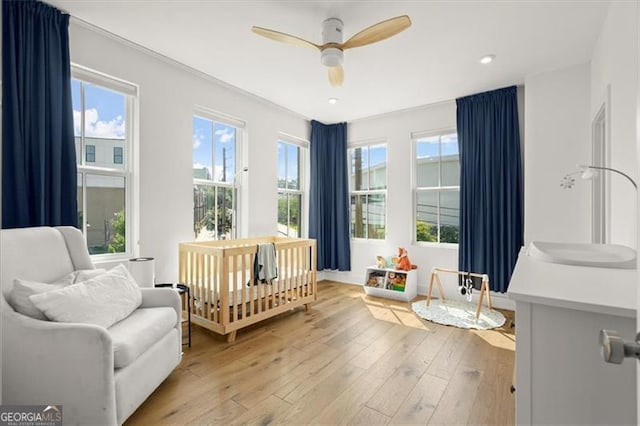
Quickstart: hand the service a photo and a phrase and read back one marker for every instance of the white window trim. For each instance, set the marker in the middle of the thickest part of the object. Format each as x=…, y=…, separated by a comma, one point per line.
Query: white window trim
x=369, y=143
x=130, y=153
x=415, y=137
x=240, y=126
x=303, y=165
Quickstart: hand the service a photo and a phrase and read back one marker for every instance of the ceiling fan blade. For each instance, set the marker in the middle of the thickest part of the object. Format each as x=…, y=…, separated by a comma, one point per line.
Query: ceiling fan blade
x=378, y=32
x=336, y=75
x=283, y=37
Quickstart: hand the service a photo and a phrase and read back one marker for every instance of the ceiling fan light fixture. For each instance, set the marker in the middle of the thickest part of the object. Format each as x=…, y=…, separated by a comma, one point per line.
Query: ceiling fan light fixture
x=331, y=57
x=487, y=59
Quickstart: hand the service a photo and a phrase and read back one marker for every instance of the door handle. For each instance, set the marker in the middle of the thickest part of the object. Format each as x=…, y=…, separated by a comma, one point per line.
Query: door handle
x=614, y=349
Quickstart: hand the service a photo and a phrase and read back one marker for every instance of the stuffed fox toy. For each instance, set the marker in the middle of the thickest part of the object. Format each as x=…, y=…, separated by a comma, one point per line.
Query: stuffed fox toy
x=404, y=263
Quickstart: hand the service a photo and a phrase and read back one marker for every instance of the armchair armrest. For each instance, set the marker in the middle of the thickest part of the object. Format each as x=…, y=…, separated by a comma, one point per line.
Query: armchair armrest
x=162, y=297
x=59, y=363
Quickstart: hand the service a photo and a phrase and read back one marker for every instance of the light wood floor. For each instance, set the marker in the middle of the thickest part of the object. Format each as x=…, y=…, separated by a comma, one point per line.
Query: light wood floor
x=350, y=360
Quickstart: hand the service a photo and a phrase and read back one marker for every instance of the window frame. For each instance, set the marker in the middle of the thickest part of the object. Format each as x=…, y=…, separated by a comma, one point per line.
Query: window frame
x=130, y=160
x=240, y=127
x=415, y=138
x=303, y=181
x=369, y=143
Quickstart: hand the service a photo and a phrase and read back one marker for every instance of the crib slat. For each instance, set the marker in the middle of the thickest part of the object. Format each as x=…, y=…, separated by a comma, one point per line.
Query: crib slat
x=234, y=279
x=216, y=290
x=224, y=292
x=194, y=280
x=303, y=272
x=243, y=265
x=259, y=291
x=212, y=284
x=299, y=271
x=204, y=279
x=252, y=287
x=199, y=275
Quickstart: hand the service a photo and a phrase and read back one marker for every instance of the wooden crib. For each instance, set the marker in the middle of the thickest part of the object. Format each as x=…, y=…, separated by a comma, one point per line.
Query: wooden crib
x=220, y=277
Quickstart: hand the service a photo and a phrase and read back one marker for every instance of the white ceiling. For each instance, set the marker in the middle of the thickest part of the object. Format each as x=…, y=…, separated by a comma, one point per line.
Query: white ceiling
x=435, y=59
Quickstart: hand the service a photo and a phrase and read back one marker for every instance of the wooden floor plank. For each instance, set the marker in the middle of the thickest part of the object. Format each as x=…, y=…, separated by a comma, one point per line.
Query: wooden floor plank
x=347, y=405
x=351, y=359
x=313, y=401
x=368, y=416
x=420, y=404
x=458, y=399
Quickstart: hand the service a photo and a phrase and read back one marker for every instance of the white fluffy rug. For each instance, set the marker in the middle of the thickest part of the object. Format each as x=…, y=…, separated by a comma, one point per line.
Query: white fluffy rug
x=459, y=314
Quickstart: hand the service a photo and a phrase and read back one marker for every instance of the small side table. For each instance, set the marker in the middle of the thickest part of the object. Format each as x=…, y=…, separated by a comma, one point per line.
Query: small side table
x=182, y=290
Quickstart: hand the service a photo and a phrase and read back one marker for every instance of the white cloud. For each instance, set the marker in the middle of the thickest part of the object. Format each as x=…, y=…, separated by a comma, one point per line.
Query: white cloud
x=197, y=141
x=224, y=135
x=449, y=139
x=96, y=128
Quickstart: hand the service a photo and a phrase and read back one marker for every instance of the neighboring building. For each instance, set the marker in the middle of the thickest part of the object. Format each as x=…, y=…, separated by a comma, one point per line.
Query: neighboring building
x=427, y=171
x=105, y=194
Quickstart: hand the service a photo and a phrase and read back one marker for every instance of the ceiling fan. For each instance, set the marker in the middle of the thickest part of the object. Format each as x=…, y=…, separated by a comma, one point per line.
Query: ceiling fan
x=332, y=48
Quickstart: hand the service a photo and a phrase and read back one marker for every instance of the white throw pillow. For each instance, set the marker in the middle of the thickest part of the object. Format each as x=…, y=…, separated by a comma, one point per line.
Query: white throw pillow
x=102, y=300
x=22, y=289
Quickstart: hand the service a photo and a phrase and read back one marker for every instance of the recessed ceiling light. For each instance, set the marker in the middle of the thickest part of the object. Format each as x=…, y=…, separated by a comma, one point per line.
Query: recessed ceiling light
x=487, y=59
x=333, y=101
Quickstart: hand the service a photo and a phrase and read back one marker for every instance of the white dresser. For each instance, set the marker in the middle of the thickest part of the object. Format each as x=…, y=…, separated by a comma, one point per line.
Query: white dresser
x=561, y=377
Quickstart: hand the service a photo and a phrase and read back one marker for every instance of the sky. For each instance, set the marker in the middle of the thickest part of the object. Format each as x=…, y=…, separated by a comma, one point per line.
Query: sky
x=288, y=164
x=428, y=147
x=104, y=111
x=211, y=142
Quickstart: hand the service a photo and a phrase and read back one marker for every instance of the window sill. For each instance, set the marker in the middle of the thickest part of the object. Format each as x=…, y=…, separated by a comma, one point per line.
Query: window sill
x=110, y=259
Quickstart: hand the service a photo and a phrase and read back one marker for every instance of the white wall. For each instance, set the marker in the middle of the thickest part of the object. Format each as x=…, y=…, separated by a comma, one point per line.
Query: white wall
x=614, y=64
x=557, y=138
x=168, y=94
x=396, y=129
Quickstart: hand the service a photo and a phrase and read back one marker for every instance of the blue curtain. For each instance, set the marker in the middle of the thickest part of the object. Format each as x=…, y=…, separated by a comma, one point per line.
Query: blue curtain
x=38, y=151
x=491, y=215
x=329, y=196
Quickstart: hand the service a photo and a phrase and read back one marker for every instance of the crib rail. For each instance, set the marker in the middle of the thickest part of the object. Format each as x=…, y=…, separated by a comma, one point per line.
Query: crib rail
x=224, y=296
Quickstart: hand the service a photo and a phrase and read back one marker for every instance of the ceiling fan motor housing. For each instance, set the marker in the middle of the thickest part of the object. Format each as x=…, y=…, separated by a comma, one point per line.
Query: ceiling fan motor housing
x=332, y=33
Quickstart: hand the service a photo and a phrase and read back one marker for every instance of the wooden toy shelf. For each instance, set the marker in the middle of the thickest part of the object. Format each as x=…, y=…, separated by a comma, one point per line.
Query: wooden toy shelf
x=391, y=283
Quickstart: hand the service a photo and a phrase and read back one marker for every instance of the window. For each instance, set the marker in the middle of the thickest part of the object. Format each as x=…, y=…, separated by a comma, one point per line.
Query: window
x=102, y=115
x=215, y=194
x=437, y=193
x=368, y=186
x=291, y=184
x=118, y=155
x=90, y=156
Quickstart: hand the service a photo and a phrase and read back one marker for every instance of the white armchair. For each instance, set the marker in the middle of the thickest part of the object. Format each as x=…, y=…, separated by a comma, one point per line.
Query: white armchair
x=99, y=375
